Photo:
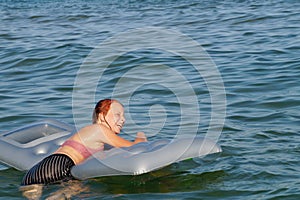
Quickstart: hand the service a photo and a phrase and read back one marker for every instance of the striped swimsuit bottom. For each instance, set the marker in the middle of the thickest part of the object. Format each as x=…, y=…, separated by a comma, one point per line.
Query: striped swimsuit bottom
x=54, y=168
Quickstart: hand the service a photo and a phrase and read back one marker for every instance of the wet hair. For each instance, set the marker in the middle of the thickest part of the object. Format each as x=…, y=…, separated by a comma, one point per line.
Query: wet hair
x=102, y=106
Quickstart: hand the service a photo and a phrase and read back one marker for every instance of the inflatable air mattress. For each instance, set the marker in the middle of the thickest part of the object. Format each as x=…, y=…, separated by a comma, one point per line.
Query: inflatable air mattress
x=24, y=147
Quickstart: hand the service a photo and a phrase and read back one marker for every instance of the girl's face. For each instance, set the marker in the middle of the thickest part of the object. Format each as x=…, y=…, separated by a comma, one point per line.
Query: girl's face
x=115, y=117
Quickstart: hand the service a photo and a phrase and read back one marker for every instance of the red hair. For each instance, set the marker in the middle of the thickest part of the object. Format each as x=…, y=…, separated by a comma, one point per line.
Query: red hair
x=102, y=106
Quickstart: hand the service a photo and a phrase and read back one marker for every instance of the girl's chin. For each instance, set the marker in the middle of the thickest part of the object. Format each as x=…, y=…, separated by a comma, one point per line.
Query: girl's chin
x=117, y=131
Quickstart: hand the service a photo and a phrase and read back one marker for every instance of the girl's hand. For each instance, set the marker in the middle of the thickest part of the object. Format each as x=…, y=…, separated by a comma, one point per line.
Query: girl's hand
x=140, y=137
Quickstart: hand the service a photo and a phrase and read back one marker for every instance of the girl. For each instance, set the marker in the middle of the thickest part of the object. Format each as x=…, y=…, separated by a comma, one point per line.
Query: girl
x=108, y=120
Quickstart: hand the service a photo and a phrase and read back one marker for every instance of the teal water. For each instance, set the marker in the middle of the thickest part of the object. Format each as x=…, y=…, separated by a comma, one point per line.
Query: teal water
x=254, y=45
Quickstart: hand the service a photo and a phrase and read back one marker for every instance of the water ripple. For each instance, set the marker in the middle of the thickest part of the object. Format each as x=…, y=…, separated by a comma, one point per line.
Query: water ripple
x=255, y=45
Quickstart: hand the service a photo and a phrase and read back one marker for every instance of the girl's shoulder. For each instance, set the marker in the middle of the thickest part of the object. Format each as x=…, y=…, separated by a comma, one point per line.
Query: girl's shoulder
x=90, y=127
x=95, y=127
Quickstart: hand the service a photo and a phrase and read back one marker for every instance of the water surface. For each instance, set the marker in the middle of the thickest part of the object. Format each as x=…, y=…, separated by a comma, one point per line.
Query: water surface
x=255, y=45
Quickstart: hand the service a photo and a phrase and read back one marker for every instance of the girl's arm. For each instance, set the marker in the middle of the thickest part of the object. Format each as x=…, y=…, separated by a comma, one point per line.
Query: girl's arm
x=105, y=135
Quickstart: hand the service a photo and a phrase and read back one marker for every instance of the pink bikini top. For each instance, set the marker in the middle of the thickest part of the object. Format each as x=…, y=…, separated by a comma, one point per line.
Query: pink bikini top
x=83, y=150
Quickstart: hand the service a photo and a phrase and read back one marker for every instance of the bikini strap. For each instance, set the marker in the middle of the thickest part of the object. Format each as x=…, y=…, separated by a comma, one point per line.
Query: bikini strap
x=83, y=150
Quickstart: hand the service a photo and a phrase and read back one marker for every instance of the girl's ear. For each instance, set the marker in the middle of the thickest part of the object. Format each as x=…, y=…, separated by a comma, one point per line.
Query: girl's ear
x=101, y=118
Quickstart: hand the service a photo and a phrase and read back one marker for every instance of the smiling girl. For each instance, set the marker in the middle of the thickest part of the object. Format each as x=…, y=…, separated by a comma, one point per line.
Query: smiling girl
x=108, y=120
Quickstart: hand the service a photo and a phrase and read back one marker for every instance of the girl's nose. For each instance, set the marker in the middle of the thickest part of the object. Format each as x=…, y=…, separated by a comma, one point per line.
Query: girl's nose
x=123, y=119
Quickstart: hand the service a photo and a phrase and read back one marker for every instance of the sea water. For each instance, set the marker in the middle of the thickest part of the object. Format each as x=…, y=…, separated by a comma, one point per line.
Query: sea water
x=58, y=58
